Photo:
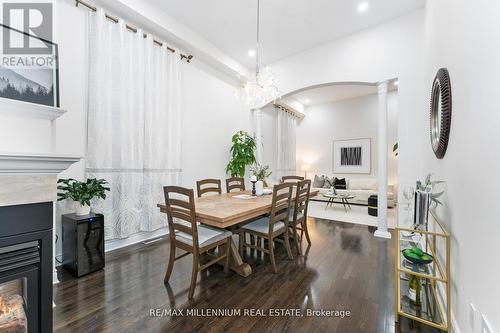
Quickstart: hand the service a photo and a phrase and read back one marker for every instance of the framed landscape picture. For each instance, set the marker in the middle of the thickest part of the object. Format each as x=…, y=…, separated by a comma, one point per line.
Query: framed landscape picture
x=29, y=77
x=352, y=156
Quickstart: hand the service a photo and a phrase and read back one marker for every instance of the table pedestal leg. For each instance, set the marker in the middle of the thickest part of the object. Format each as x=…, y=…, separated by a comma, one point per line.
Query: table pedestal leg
x=235, y=263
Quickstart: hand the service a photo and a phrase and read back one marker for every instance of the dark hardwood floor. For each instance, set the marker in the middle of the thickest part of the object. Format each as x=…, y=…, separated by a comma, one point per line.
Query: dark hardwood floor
x=346, y=268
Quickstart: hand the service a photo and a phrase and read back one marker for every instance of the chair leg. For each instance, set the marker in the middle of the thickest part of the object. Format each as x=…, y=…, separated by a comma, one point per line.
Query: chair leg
x=228, y=255
x=194, y=275
x=296, y=239
x=304, y=228
x=252, y=241
x=271, y=255
x=170, y=263
x=287, y=245
x=241, y=240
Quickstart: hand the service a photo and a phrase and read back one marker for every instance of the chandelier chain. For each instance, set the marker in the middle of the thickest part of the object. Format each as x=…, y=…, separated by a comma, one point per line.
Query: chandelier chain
x=258, y=39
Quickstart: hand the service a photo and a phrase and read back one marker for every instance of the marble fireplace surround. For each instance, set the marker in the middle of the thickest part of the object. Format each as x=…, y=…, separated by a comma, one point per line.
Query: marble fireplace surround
x=31, y=178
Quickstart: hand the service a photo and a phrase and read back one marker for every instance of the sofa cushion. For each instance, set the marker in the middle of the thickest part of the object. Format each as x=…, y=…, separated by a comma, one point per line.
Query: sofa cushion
x=340, y=183
x=363, y=184
x=318, y=181
x=328, y=182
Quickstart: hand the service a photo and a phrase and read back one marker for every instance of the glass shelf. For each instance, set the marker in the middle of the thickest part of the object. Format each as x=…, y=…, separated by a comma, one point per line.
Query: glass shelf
x=428, y=311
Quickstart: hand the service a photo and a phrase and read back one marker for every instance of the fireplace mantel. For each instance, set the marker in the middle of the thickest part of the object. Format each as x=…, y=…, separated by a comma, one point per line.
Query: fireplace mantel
x=30, y=178
x=33, y=164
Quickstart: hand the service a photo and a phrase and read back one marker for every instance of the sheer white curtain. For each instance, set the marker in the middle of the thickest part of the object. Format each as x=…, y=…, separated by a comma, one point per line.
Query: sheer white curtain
x=285, y=136
x=134, y=124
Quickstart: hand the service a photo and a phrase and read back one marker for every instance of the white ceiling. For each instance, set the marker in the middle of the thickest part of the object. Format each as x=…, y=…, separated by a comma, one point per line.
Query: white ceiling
x=287, y=26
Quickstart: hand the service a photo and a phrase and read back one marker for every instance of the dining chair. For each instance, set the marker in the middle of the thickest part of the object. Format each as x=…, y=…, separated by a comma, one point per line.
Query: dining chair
x=291, y=179
x=185, y=234
x=235, y=183
x=298, y=215
x=269, y=228
x=208, y=185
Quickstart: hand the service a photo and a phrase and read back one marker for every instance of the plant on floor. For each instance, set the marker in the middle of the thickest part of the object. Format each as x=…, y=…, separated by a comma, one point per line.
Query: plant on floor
x=261, y=172
x=82, y=193
x=395, y=149
x=242, y=154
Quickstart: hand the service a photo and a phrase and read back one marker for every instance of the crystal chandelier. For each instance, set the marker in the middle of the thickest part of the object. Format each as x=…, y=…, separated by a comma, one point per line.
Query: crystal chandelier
x=261, y=88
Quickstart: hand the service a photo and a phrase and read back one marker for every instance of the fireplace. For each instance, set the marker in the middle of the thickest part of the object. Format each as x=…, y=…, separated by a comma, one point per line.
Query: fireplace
x=26, y=268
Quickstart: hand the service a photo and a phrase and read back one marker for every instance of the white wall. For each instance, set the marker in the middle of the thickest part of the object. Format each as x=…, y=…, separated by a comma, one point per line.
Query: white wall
x=345, y=119
x=211, y=116
x=461, y=36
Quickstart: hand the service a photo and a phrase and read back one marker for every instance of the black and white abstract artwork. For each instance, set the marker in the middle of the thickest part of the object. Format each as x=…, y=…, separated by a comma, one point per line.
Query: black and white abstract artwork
x=352, y=156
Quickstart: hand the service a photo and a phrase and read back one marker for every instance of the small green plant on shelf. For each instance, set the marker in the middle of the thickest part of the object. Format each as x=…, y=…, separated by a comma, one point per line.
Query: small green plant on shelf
x=242, y=154
x=261, y=172
x=82, y=193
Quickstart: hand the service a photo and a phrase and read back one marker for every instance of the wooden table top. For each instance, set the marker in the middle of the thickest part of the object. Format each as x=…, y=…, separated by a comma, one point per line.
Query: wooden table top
x=224, y=210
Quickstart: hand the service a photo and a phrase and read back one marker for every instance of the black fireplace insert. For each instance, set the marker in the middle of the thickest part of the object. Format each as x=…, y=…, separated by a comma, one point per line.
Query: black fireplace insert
x=26, y=268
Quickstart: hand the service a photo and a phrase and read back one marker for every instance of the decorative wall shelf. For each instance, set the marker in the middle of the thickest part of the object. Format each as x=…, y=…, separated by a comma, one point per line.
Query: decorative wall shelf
x=34, y=164
x=12, y=107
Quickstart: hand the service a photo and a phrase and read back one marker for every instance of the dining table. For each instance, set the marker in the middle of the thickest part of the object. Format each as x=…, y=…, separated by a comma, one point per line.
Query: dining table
x=228, y=210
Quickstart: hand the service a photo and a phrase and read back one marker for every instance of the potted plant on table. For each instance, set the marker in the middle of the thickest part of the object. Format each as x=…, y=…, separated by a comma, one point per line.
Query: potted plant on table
x=82, y=193
x=261, y=172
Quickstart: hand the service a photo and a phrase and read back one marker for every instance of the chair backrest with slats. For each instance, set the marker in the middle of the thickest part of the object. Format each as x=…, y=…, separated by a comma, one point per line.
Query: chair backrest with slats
x=235, y=183
x=302, y=198
x=208, y=185
x=291, y=179
x=181, y=212
x=280, y=207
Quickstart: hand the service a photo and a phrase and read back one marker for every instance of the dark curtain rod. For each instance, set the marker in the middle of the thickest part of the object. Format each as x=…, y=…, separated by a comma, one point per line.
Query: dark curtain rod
x=132, y=29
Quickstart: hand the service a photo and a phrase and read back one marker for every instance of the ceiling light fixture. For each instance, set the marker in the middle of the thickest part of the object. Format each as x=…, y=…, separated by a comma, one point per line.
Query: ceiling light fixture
x=251, y=53
x=306, y=101
x=362, y=7
x=261, y=88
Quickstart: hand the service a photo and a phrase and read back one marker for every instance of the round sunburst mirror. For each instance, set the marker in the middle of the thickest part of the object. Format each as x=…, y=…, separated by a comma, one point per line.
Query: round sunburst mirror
x=440, y=116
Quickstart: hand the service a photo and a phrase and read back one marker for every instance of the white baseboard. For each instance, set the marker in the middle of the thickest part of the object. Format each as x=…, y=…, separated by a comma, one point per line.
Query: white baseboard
x=114, y=244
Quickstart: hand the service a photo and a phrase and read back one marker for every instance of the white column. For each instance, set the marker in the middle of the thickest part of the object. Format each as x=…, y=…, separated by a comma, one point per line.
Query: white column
x=257, y=119
x=382, y=161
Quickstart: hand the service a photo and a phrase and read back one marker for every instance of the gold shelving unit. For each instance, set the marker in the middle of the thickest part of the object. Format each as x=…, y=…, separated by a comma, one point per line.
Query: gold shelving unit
x=435, y=308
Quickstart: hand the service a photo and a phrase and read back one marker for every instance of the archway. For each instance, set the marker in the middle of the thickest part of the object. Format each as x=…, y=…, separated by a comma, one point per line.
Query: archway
x=383, y=157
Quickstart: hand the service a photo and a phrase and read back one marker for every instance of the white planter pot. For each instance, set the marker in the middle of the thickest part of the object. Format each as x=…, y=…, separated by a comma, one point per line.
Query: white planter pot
x=259, y=187
x=81, y=209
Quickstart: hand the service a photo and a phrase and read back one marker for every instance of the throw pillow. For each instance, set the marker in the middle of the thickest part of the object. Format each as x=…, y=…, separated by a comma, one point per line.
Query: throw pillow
x=340, y=183
x=328, y=182
x=318, y=182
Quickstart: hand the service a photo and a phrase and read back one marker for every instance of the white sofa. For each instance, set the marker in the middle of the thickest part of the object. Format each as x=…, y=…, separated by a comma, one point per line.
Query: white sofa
x=361, y=188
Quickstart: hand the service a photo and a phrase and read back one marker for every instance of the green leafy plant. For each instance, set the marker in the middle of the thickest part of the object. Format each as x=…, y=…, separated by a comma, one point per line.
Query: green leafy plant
x=429, y=186
x=261, y=172
x=82, y=192
x=242, y=154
